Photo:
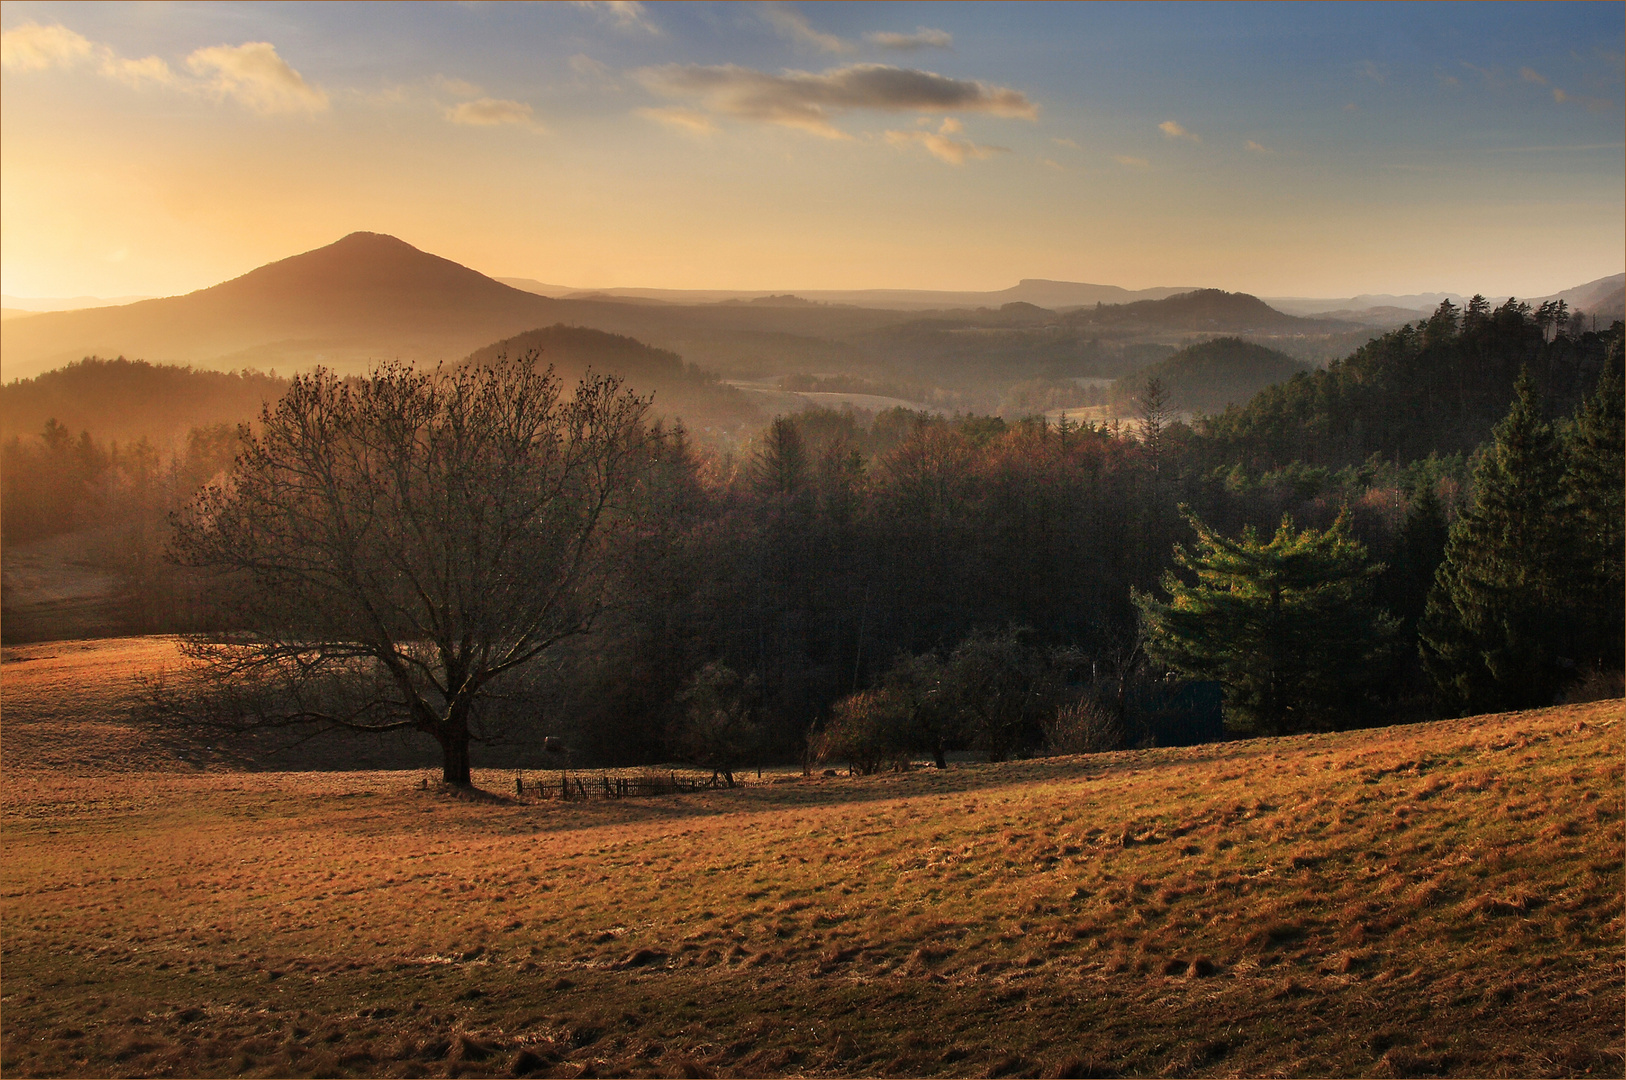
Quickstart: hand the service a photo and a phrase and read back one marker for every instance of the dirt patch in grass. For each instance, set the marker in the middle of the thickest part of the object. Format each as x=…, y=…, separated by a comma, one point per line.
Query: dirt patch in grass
x=1439, y=899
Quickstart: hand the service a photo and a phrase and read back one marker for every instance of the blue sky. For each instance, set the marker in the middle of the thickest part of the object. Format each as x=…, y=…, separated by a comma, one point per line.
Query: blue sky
x=1322, y=149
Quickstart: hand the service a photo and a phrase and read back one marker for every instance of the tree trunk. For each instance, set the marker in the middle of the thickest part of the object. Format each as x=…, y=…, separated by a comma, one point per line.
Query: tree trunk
x=454, y=747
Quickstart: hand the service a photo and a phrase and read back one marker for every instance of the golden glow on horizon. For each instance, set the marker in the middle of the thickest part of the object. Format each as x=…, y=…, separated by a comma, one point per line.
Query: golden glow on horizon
x=127, y=173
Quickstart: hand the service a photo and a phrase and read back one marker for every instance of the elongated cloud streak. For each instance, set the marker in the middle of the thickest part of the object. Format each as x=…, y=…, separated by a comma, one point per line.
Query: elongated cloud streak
x=491, y=112
x=254, y=75
x=31, y=47
x=695, y=123
x=923, y=38
x=1173, y=130
x=942, y=144
x=794, y=25
x=800, y=99
x=625, y=14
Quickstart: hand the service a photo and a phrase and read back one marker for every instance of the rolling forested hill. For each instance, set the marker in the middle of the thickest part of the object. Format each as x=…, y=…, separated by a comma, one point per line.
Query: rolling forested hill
x=1208, y=376
x=1436, y=386
x=127, y=400
x=679, y=390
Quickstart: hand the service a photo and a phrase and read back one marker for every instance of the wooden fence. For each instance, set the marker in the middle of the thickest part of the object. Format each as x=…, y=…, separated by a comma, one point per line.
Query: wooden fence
x=565, y=784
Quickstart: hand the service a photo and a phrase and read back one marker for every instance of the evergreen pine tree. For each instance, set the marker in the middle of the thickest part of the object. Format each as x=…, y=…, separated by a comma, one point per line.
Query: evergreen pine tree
x=1287, y=627
x=1493, y=629
x=1595, y=483
x=1418, y=552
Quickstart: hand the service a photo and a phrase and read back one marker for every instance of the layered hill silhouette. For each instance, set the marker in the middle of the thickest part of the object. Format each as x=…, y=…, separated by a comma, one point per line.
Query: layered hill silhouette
x=679, y=390
x=367, y=297
x=370, y=297
x=1041, y=292
x=1208, y=376
x=1201, y=309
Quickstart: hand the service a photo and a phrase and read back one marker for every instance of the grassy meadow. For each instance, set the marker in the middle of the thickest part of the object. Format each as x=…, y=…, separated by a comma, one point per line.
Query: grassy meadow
x=1441, y=899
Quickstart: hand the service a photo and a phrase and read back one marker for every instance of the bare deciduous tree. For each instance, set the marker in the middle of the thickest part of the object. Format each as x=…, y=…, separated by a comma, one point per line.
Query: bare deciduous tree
x=389, y=548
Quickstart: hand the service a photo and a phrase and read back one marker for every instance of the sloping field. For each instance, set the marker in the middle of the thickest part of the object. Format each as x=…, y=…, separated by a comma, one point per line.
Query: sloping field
x=1438, y=899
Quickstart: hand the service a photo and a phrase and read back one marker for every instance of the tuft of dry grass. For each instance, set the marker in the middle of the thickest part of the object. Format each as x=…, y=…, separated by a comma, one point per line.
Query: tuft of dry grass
x=1432, y=899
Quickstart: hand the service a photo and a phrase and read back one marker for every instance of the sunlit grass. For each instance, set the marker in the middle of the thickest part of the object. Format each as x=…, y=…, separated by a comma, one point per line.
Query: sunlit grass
x=1444, y=898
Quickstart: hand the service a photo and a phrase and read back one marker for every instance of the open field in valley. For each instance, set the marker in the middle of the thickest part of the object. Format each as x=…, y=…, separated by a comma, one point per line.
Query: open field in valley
x=1418, y=900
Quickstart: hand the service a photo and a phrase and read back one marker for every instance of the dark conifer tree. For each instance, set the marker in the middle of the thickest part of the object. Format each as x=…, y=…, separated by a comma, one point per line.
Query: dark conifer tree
x=1419, y=550
x=1492, y=630
x=1595, y=484
x=1286, y=626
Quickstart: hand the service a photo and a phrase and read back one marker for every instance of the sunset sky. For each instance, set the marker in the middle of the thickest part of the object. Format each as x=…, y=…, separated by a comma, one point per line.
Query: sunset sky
x=1321, y=150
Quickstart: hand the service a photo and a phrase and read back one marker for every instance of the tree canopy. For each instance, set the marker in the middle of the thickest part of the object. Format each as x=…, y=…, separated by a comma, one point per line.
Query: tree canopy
x=388, y=548
x=1530, y=585
x=1286, y=626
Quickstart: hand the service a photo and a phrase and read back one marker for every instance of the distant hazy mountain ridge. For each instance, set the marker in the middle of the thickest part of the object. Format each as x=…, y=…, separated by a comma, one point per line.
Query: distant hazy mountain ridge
x=366, y=297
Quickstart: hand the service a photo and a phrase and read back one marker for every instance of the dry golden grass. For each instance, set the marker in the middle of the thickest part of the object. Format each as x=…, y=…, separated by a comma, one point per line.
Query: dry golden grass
x=1434, y=899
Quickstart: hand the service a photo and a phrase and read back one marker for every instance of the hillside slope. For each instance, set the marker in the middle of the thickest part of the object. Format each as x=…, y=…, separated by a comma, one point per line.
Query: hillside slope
x=1440, y=899
x=1208, y=376
x=678, y=390
x=128, y=400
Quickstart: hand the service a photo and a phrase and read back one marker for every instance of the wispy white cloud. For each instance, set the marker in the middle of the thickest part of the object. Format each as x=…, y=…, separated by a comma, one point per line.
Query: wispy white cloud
x=255, y=76
x=492, y=112
x=31, y=47
x=809, y=102
x=149, y=70
x=1373, y=72
x=1068, y=143
x=457, y=87
x=943, y=145
x=1257, y=148
x=1131, y=162
x=792, y=24
x=1493, y=77
x=680, y=119
x=924, y=37
x=623, y=14
x=592, y=71
x=251, y=74
x=1531, y=75
x=1173, y=130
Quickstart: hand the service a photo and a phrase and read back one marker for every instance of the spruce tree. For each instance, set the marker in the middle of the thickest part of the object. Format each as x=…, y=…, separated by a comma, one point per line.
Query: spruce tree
x=1595, y=483
x=1493, y=631
x=1287, y=627
x=1418, y=551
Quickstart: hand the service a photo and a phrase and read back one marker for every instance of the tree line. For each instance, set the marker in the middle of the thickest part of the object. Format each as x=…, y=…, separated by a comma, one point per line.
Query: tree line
x=875, y=588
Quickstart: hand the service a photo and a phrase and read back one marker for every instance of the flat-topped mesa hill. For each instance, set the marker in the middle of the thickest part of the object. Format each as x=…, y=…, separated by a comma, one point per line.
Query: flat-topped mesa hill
x=366, y=297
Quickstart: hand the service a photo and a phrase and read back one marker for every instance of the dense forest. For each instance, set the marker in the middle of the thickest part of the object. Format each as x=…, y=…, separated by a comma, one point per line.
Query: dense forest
x=1433, y=386
x=874, y=585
